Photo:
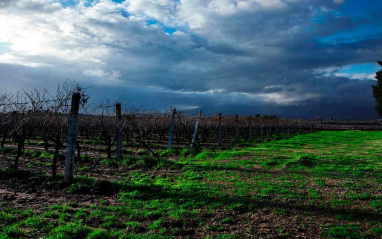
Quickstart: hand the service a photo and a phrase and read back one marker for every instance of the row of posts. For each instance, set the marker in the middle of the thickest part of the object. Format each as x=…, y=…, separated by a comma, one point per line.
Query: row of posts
x=73, y=130
x=236, y=134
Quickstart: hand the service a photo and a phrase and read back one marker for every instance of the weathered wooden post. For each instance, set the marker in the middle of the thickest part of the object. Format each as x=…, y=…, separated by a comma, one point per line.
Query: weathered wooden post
x=293, y=129
x=270, y=129
x=196, y=129
x=171, y=129
x=220, y=129
x=250, y=128
x=72, y=133
x=236, y=127
x=118, y=113
x=299, y=128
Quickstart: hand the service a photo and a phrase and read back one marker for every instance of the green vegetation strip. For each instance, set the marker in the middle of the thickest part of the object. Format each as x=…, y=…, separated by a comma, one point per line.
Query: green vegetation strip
x=326, y=184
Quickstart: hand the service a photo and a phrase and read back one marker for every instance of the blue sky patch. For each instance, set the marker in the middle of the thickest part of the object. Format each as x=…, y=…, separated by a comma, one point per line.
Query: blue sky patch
x=87, y=3
x=167, y=29
x=124, y=13
x=151, y=22
x=4, y=47
x=118, y=1
x=366, y=68
x=68, y=3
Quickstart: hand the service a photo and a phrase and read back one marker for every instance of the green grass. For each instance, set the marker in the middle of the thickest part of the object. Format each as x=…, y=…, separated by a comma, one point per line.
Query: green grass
x=330, y=181
x=343, y=231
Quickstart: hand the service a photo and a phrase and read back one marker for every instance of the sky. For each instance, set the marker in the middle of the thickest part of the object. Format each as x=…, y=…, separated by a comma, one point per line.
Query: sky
x=291, y=58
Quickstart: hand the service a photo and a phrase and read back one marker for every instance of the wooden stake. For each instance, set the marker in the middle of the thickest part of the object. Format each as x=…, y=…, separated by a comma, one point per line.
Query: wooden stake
x=118, y=112
x=270, y=131
x=250, y=128
x=236, y=127
x=171, y=129
x=220, y=129
x=196, y=129
x=72, y=133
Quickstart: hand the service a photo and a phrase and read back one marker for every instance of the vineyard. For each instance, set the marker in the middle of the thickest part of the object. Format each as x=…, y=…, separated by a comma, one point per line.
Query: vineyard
x=37, y=120
x=73, y=169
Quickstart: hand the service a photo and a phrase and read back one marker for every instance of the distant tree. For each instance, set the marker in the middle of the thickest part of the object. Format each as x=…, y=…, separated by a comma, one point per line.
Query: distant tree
x=377, y=91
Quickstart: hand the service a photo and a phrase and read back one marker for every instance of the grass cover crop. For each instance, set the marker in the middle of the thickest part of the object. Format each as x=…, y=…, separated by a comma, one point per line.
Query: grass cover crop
x=318, y=185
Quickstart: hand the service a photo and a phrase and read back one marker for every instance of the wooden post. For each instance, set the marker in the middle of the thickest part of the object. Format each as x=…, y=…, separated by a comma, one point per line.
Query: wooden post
x=118, y=113
x=270, y=129
x=250, y=128
x=220, y=129
x=72, y=133
x=171, y=128
x=236, y=127
x=196, y=129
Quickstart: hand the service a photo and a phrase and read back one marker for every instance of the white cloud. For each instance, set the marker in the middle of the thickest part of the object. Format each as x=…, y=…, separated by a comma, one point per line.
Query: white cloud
x=356, y=76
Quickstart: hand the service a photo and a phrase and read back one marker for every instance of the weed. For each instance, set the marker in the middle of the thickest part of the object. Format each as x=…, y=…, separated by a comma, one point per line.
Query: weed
x=377, y=231
x=302, y=160
x=71, y=230
x=32, y=153
x=377, y=204
x=345, y=216
x=270, y=163
x=13, y=231
x=344, y=231
x=98, y=234
x=280, y=212
x=362, y=196
x=205, y=155
x=47, y=155
x=228, y=220
x=156, y=224
x=6, y=217
x=34, y=222
x=188, y=152
x=91, y=185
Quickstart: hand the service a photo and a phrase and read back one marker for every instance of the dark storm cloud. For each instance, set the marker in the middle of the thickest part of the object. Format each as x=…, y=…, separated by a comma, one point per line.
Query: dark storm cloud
x=332, y=23
x=255, y=57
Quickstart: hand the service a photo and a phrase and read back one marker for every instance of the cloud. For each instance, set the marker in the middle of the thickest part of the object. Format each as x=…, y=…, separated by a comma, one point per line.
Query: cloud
x=267, y=54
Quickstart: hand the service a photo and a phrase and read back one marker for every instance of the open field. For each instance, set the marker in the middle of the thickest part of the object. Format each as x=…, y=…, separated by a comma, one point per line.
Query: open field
x=317, y=185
